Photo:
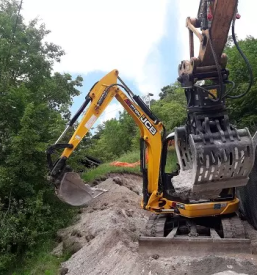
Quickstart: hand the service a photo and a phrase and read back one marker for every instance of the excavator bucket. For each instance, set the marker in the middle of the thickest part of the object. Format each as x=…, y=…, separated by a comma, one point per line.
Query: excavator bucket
x=75, y=192
x=218, y=163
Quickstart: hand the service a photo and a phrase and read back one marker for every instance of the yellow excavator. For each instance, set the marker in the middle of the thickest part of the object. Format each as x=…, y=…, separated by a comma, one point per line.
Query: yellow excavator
x=197, y=203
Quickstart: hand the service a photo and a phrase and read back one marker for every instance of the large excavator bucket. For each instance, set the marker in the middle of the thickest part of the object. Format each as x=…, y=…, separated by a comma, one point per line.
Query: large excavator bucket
x=223, y=161
x=75, y=192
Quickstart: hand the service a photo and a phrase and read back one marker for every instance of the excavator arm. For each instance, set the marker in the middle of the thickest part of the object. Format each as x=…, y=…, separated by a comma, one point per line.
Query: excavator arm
x=69, y=186
x=211, y=27
x=213, y=18
x=216, y=154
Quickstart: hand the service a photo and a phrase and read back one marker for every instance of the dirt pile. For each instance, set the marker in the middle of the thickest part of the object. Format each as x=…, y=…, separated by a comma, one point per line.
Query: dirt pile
x=104, y=240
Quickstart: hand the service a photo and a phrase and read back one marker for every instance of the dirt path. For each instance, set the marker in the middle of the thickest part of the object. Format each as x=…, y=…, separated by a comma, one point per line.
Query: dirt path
x=104, y=240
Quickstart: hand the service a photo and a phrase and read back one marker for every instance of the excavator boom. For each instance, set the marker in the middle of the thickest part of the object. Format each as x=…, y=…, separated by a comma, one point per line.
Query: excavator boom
x=69, y=186
x=214, y=17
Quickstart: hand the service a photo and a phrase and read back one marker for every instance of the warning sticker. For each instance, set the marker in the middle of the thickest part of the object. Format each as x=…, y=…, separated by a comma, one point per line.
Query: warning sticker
x=91, y=121
x=214, y=92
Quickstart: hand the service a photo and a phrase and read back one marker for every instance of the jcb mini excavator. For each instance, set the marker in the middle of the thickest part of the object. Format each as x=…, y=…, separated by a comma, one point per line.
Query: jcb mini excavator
x=194, y=207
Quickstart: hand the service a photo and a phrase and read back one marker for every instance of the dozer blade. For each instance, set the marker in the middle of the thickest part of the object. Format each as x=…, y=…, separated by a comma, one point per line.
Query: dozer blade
x=192, y=246
x=75, y=192
x=167, y=238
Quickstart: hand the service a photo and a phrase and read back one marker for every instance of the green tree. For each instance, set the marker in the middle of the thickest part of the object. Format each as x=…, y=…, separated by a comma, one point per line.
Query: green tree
x=34, y=104
x=171, y=108
x=243, y=112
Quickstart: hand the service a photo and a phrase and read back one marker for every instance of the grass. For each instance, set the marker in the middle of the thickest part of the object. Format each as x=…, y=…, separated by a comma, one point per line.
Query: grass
x=106, y=168
x=41, y=262
x=171, y=161
x=130, y=157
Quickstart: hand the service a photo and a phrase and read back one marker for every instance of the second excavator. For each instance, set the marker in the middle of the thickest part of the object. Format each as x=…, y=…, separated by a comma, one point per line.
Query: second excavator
x=197, y=203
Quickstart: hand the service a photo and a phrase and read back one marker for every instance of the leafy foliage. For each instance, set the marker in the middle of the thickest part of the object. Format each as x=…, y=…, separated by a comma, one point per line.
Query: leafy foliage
x=171, y=108
x=34, y=104
x=114, y=138
x=243, y=111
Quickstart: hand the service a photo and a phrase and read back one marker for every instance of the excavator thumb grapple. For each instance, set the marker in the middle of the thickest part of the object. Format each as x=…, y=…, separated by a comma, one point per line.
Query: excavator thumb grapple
x=217, y=159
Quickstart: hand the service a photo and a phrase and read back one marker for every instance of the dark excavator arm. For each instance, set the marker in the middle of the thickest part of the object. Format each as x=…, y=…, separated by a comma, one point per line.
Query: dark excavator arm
x=213, y=17
x=211, y=28
x=218, y=155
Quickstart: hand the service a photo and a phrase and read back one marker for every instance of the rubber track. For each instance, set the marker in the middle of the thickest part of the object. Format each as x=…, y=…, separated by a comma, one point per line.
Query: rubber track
x=155, y=226
x=233, y=228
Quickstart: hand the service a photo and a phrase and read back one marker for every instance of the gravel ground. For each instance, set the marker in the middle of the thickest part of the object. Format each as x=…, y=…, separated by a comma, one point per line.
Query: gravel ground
x=104, y=240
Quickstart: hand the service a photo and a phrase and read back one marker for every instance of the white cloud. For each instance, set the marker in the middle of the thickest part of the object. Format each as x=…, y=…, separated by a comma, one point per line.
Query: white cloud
x=245, y=26
x=149, y=78
x=103, y=35
x=186, y=8
x=106, y=35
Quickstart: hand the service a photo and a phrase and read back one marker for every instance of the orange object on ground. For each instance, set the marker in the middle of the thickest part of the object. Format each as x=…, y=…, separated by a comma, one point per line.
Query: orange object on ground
x=125, y=164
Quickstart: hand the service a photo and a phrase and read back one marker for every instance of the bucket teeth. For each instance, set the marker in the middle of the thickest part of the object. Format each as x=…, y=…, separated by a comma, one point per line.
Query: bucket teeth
x=75, y=192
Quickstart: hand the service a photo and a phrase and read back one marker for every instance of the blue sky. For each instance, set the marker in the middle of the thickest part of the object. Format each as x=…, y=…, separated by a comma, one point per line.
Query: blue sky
x=163, y=56
x=144, y=39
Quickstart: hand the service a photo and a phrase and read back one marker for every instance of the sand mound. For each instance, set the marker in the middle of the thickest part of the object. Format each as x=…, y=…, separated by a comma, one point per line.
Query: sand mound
x=104, y=239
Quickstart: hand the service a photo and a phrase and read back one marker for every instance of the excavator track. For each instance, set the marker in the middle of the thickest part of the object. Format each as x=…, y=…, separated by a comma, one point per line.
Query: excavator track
x=155, y=226
x=173, y=236
x=233, y=227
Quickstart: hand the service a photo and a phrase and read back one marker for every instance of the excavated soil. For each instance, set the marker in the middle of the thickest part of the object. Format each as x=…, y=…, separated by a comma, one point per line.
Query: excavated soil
x=104, y=240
